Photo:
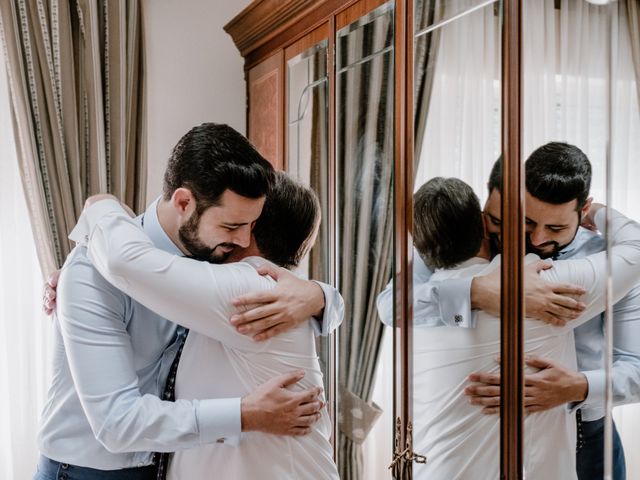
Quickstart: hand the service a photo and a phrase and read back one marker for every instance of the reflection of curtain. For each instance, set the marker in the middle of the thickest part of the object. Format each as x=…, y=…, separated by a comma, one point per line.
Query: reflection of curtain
x=427, y=12
x=365, y=220
x=566, y=62
x=461, y=137
x=24, y=340
x=75, y=76
x=633, y=17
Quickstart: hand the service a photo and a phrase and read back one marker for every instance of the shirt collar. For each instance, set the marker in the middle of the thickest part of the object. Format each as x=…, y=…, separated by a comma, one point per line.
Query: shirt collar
x=151, y=226
x=582, y=236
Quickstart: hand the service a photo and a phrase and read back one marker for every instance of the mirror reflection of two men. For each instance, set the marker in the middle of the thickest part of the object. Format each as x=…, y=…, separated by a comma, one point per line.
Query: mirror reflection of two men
x=457, y=335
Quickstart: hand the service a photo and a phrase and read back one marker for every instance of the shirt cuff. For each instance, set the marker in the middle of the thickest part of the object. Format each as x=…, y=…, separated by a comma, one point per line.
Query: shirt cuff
x=454, y=298
x=90, y=216
x=333, y=313
x=219, y=421
x=596, y=388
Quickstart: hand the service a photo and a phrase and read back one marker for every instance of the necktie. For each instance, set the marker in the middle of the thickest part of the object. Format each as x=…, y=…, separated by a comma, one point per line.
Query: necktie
x=169, y=395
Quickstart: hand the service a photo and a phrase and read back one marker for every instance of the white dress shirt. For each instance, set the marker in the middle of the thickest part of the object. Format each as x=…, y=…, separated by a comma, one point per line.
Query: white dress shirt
x=216, y=361
x=458, y=439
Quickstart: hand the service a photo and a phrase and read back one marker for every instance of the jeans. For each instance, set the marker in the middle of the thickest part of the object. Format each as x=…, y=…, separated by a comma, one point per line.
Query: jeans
x=51, y=470
x=590, y=452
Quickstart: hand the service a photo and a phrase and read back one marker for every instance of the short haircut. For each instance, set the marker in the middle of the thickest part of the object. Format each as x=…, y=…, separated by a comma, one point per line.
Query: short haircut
x=288, y=220
x=447, y=220
x=495, y=177
x=558, y=173
x=212, y=158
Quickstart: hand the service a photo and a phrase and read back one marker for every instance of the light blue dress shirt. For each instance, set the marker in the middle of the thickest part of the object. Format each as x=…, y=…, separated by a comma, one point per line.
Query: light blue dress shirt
x=590, y=340
x=110, y=362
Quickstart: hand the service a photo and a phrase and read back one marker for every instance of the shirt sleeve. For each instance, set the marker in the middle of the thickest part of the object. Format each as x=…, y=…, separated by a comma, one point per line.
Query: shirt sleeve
x=590, y=272
x=92, y=318
x=333, y=313
x=625, y=368
x=194, y=294
x=435, y=304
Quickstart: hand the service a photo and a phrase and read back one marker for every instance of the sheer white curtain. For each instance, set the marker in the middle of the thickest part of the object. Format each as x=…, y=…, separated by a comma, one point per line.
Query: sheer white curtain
x=462, y=136
x=24, y=332
x=566, y=98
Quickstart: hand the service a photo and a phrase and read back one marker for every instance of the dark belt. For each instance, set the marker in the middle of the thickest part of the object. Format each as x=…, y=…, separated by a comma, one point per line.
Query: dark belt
x=48, y=468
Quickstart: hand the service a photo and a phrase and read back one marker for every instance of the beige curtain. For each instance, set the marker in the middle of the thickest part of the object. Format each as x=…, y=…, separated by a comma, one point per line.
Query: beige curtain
x=633, y=16
x=75, y=72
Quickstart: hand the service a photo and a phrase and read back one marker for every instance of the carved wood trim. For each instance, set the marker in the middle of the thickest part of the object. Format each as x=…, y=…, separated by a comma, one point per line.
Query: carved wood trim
x=264, y=19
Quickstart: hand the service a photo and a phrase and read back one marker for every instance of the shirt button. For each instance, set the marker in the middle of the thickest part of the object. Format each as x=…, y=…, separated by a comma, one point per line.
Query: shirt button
x=64, y=466
x=458, y=318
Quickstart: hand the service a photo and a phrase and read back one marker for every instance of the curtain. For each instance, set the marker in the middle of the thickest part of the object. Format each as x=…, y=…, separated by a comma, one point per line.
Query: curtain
x=24, y=331
x=461, y=134
x=427, y=12
x=75, y=76
x=364, y=164
x=633, y=18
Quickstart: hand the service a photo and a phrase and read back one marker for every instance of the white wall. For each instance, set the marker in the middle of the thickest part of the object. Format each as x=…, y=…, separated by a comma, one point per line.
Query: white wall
x=194, y=74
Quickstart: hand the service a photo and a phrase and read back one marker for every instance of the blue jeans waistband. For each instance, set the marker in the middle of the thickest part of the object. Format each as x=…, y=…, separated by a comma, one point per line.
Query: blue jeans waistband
x=53, y=470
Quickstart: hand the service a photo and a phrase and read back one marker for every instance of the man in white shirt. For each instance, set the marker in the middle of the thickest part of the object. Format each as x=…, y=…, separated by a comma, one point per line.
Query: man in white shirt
x=458, y=438
x=104, y=418
x=217, y=361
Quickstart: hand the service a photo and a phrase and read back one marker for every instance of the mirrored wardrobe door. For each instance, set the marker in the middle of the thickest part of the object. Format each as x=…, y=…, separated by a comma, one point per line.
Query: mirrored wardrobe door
x=624, y=196
x=364, y=73
x=457, y=142
x=308, y=160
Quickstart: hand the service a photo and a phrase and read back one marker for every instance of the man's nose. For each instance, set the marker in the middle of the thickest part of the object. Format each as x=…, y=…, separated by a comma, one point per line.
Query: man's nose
x=242, y=237
x=537, y=236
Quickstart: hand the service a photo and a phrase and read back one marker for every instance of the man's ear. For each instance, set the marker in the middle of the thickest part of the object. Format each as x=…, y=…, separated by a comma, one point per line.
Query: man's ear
x=184, y=202
x=585, y=209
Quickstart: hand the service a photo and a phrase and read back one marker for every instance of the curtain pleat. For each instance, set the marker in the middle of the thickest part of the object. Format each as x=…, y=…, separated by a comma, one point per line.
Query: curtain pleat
x=427, y=13
x=75, y=76
x=633, y=17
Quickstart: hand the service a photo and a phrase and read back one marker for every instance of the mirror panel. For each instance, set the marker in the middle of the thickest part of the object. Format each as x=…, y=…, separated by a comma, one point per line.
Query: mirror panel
x=457, y=126
x=307, y=159
x=364, y=167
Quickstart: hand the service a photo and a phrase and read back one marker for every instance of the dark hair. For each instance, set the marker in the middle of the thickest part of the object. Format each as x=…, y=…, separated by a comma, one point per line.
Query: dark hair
x=288, y=219
x=447, y=222
x=558, y=173
x=495, y=177
x=212, y=158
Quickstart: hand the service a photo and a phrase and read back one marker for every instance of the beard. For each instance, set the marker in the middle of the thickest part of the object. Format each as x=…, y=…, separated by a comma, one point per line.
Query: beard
x=198, y=250
x=542, y=252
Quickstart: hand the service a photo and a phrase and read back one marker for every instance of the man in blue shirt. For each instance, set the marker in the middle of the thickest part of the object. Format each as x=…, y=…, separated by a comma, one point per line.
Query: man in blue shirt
x=104, y=415
x=558, y=179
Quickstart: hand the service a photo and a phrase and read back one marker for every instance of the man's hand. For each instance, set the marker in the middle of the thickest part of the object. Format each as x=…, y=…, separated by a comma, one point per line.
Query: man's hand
x=553, y=303
x=274, y=409
x=49, y=293
x=551, y=386
x=588, y=220
x=292, y=302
